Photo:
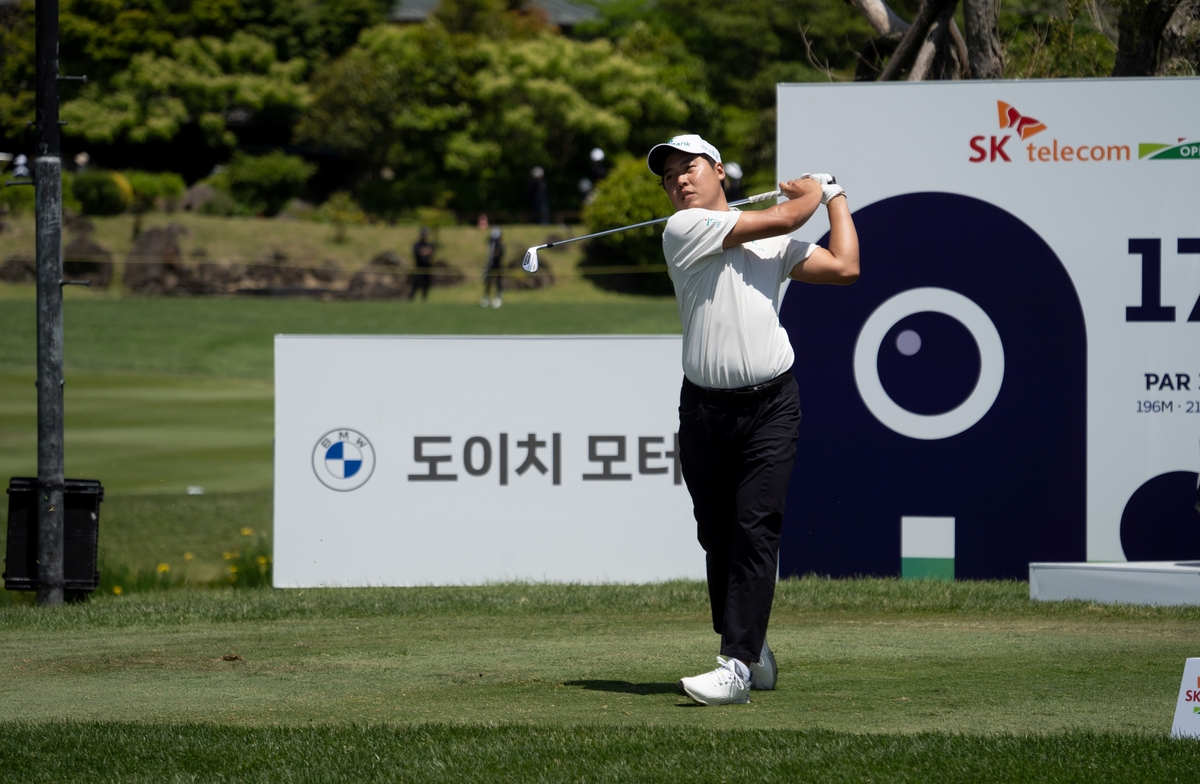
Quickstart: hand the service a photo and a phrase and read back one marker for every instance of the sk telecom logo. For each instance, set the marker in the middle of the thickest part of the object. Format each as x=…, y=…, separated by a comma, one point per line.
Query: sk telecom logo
x=1052, y=151
x=1009, y=118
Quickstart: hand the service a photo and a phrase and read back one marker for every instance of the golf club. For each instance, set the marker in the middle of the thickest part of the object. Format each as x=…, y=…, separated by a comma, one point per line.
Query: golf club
x=530, y=264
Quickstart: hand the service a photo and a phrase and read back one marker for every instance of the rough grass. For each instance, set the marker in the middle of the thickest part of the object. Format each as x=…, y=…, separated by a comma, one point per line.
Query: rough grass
x=98, y=752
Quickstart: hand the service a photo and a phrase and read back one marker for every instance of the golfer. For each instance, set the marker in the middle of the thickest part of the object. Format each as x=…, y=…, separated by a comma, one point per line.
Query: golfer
x=739, y=408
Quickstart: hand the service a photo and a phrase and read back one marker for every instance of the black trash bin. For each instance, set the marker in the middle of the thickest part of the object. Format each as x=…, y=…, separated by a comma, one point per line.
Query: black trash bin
x=80, y=535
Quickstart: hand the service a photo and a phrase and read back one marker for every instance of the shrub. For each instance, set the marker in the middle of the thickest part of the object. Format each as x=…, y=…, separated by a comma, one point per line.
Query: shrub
x=20, y=199
x=265, y=183
x=102, y=192
x=341, y=210
x=630, y=194
x=149, y=187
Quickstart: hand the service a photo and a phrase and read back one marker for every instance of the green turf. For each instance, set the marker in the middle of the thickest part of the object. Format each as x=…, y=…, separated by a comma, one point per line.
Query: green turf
x=233, y=338
x=96, y=752
x=881, y=656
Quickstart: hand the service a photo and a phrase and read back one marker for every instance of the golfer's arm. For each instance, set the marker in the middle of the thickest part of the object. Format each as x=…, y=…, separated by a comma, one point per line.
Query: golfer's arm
x=839, y=264
x=774, y=222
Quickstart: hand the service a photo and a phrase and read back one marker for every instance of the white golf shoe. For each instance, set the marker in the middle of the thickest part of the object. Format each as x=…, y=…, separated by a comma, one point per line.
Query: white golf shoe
x=729, y=684
x=764, y=672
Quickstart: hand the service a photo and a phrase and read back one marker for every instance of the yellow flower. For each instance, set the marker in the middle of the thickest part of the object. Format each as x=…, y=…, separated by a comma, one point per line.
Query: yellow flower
x=233, y=570
x=226, y=555
x=187, y=556
x=247, y=532
x=262, y=560
x=116, y=590
x=163, y=568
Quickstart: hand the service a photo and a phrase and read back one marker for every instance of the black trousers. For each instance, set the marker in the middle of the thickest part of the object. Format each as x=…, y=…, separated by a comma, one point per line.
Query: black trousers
x=737, y=457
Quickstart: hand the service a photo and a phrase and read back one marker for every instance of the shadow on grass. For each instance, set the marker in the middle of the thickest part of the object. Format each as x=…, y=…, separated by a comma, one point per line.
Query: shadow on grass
x=625, y=687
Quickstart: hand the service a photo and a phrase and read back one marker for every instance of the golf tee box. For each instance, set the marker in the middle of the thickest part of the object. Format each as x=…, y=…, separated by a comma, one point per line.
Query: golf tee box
x=81, y=525
x=1132, y=582
x=1187, y=709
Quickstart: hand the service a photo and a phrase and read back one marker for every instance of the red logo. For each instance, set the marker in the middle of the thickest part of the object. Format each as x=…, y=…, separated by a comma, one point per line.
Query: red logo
x=1024, y=126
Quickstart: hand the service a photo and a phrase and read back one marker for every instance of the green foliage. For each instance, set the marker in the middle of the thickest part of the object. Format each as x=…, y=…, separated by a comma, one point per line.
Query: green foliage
x=16, y=69
x=19, y=200
x=1056, y=40
x=462, y=120
x=150, y=187
x=340, y=210
x=101, y=192
x=201, y=82
x=266, y=183
x=630, y=194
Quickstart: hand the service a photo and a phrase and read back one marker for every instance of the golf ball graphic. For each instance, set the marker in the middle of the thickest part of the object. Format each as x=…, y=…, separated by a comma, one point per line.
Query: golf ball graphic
x=343, y=460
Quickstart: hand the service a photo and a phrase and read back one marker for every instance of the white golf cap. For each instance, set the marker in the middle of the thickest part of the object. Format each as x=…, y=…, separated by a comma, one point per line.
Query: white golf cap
x=687, y=143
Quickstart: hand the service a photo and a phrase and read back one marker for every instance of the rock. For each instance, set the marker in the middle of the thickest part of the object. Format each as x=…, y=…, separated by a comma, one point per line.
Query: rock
x=18, y=269
x=155, y=263
x=378, y=284
x=389, y=258
x=86, y=259
x=195, y=197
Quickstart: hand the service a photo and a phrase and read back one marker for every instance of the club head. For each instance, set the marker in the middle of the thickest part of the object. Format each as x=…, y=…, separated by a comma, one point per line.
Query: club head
x=530, y=264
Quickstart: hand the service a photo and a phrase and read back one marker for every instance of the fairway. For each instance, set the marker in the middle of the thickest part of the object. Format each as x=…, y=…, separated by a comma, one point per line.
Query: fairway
x=589, y=672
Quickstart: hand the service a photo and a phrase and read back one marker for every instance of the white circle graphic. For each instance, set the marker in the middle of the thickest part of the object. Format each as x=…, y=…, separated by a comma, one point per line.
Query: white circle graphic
x=991, y=362
x=343, y=459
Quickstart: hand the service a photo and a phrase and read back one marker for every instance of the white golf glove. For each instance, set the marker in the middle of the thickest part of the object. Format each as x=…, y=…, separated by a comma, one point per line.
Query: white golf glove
x=829, y=186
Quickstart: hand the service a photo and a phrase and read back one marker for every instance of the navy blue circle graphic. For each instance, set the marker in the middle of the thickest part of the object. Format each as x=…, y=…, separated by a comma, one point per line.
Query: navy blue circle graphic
x=929, y=363
x=1160, y=521
x=1015, y=482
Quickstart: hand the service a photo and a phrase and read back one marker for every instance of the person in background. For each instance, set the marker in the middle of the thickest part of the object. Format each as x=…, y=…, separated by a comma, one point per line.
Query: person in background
x=493, y=272
x=423, y=257
x=538, y=197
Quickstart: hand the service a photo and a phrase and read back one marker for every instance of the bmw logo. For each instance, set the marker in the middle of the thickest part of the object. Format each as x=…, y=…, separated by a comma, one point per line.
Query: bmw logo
x=343, y=460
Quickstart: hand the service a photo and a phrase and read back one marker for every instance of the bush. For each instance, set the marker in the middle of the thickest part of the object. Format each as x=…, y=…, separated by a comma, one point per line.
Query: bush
x=266, y=183
x=630, y=194
x=102, y=193
x=20, y=199
x=341, y=210
x=149, y=187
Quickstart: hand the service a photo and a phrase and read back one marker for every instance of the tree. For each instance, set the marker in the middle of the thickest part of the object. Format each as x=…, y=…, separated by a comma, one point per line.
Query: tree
x=205, y=82
x=461, y=119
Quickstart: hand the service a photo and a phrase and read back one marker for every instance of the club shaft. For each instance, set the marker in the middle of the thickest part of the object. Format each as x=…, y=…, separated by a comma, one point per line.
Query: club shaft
x=751, y=200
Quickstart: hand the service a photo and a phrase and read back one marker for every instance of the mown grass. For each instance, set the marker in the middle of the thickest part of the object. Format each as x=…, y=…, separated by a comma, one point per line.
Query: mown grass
x=110, y=751
x=878, y=656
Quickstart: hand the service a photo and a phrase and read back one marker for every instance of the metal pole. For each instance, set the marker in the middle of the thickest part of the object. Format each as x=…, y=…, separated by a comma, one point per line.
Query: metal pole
x=47, y=179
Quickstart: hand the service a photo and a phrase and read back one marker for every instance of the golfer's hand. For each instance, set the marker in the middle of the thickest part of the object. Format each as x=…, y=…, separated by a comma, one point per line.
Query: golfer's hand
x=796, y=189
x=829, y=186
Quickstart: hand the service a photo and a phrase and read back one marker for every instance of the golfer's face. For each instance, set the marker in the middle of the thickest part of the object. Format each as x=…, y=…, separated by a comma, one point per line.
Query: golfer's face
x=691, y=181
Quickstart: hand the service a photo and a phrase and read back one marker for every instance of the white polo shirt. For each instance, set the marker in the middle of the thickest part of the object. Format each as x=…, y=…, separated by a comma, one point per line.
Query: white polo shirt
x=728, y=299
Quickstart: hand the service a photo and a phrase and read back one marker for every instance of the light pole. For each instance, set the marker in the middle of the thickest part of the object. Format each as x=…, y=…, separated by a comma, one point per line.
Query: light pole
x=47, y=181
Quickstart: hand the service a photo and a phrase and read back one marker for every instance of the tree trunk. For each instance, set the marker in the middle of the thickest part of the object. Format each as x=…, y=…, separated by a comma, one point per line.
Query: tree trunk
x=1180, y=52
x=983, y=39
x=1140, y=28
x=924, y=62
x=914, y=39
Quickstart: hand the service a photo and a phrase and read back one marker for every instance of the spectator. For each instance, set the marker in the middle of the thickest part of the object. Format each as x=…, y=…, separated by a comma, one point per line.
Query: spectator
x=493, y=270
x=423, y=256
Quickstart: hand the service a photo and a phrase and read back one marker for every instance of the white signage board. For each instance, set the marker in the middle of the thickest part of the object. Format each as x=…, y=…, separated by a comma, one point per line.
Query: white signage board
x=458, y=460
x=1187, y=707
x=1067, y=212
